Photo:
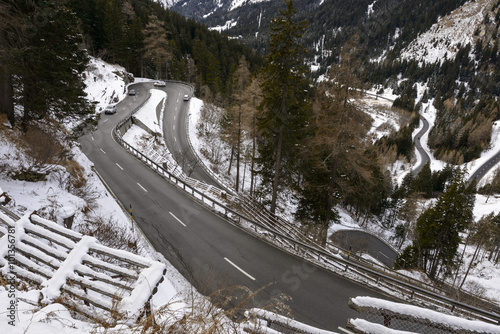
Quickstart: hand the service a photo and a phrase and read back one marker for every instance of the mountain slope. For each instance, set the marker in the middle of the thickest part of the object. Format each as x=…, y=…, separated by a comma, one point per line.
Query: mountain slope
x=450, y=33
x=382, y=24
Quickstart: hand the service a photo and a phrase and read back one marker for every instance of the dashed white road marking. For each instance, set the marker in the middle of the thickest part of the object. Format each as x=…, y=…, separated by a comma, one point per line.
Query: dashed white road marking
x=241, y=270
x=102, y=151
x=119, y=166
x=142, y=187
x=177, y=219
x=107, y=119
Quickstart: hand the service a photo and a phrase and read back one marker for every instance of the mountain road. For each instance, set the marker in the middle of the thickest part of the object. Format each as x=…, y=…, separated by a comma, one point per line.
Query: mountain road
x=215, y=256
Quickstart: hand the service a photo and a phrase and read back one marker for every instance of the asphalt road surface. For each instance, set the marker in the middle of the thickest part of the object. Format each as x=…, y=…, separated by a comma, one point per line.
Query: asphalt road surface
x=174, y=132
x=206, y=249
x=362, y=242
x=423, y=154
x=485, y=168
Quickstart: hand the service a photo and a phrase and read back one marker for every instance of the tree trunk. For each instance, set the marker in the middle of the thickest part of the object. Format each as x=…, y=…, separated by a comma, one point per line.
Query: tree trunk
x=252, y=176
x=470, y=264
x=230, y=161
x=6, y=93
x=277, y=169
x=461, y=258
x=329, y=204
x=238, y=152
x=434, y=264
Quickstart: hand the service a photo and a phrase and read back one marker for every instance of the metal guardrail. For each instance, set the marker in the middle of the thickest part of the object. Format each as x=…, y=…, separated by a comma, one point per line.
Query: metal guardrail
x=202, y=164
x=387, y=280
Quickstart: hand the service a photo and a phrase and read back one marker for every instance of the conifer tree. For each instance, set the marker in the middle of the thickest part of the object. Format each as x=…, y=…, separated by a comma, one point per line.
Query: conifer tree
x=156, y=46
x=437, y=229
x=9, y=25
x=240, y=81
x=47, y=66
x=334, y=165
x=423, y=182
x=285, y=110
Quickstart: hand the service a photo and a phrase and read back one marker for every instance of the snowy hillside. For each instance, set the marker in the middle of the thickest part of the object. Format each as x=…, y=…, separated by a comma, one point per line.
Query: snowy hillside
x=239, y=3
x=91, y=204
x=167, y=3
x=105, y=83
x=445, y=37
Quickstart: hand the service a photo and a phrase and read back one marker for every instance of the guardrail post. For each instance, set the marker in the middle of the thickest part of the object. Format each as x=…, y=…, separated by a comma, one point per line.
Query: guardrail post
x=413, y=294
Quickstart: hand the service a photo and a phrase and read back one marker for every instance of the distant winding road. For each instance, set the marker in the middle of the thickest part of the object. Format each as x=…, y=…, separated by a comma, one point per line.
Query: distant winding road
x=425, y=159
x=485, y=168
x=206, y=249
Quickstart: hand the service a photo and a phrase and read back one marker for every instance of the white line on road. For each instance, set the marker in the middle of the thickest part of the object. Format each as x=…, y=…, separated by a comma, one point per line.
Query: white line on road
x=107, y=119
x=175, y=139
x=119, y=166
x=102, y=151
x=174, y=127
x=244, y=272
x=177, y=219
x=345, y=330
x=92, y=137
x=141, y=187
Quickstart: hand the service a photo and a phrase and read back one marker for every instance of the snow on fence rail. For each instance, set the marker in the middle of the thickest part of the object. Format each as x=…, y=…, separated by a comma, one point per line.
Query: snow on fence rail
x=64, y=265
x=351, y=267
x=267, y=322
x=388, y=317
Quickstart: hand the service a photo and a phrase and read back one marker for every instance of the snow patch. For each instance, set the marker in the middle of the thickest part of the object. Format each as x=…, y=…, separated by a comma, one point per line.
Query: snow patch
x=443, y=40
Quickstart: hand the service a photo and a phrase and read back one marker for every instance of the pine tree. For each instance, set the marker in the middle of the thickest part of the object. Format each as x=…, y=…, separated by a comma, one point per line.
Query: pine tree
x=423, y=182
x=334, y=165
x=437, y=229
x=240, y=81
x=251, y=98
x=285, y=110
x=156, y=45
x=47, y=67
x=9, y=26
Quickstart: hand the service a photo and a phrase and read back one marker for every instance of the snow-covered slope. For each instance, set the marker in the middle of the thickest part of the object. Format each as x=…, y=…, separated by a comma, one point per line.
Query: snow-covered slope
x=104, y=82
x=167, y=3
x=444, y=38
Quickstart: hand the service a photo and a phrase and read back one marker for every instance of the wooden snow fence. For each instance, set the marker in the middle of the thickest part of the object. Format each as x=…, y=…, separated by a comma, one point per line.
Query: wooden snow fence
x=107, y=285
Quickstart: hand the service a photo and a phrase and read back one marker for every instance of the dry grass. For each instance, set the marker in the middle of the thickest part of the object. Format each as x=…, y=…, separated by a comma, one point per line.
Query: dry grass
x=107, y=231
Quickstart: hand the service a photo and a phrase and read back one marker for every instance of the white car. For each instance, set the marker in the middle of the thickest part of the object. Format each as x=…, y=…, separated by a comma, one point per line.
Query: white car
x=186, y=97
x=160, y=84
x=110, y=110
